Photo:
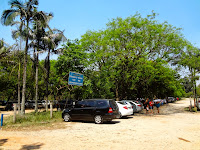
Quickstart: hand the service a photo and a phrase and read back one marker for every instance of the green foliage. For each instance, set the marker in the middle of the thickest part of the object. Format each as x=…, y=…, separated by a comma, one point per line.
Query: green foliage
x=131, y=55
x=73, y=58
x=131, y=58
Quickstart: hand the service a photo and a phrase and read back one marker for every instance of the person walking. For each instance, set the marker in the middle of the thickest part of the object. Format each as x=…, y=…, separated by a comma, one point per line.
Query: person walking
x=157, y=106
x=146, y=105
x=151, y=106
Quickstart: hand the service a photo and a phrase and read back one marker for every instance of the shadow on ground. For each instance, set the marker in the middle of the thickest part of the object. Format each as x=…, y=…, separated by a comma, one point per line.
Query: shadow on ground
x=92, y=122
x=2, y=141
x=32, y=146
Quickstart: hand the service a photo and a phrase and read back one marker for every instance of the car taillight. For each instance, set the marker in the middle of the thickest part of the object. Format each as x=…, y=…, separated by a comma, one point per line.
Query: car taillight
x=132, y=106
x=139, y=105
x=199, y=101
x=125, y=107
x=110, y=110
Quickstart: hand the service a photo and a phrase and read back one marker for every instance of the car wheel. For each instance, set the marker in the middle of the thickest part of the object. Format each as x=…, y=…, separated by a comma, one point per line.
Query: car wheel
x=66, y=117
x=98, y=119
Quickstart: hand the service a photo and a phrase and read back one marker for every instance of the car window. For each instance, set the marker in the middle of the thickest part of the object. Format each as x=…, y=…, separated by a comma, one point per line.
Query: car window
x=113, y=104
x=80, y=104
x=132, y=103
x=102, y=103
x=90, y=103
x=121, y=103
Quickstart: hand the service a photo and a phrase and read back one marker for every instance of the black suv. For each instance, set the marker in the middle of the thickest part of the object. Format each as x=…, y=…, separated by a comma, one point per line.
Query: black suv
x=97, y=110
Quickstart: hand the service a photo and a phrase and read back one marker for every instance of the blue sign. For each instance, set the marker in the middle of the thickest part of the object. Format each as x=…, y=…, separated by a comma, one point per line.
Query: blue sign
x=75, y=79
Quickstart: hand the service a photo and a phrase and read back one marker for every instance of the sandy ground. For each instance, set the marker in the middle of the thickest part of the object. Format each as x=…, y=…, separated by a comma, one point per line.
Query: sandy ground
x=172, y=129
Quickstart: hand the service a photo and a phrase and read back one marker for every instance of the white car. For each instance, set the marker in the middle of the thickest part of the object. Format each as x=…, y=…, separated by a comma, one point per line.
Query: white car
x=124, y=109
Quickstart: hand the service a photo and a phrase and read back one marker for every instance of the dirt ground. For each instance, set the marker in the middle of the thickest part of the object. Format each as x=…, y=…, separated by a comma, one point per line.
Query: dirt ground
x=172, y=129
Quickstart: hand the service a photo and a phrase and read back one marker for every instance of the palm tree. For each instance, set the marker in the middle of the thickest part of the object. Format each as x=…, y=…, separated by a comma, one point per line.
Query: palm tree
x=52, y=40
x=4, y=50
x=26, y=12
x=38, y=45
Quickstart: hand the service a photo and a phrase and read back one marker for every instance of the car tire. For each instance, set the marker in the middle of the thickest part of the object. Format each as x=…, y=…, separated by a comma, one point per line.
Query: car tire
x=66, y=117
x=98, y=119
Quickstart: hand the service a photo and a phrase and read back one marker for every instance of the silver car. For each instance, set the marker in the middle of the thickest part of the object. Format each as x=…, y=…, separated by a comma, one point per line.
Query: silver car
x=137, y=107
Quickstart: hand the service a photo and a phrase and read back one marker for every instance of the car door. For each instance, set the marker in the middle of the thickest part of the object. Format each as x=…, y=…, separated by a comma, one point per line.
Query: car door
x=89, y=109
x=78, y=112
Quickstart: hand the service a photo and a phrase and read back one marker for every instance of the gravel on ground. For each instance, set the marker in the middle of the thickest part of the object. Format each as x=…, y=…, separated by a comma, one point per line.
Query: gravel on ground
x=172, y=129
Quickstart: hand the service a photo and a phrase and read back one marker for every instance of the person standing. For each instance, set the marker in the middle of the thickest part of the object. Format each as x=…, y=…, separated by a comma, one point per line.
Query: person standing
x=151, y=106
x=146, y=105
x=157, y=106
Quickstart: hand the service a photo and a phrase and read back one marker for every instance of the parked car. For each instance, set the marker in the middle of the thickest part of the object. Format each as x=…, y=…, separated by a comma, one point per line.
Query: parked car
x=29, y=104
x=198, y=104
x=170, y=99
x=6, y=105
x=139, y=101
x=39, y=104
x=97, y=110
x=62, y=104
x=139, y=107
x=164, y=101
x=130, y=104
x=125, y=108
x=44, y=103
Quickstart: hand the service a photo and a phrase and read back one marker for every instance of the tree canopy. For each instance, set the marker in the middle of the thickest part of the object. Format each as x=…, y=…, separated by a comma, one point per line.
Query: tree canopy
x=133, y=57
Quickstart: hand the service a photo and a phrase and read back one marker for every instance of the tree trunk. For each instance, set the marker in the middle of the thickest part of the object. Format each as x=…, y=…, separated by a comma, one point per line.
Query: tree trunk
x=36, y=82
x=19, y=87
x=195, y=90
x=117, y=93
x=24, y=75
x=47, y=78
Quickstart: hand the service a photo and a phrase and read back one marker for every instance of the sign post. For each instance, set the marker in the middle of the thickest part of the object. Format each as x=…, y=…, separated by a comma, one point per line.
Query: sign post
x=75, y=79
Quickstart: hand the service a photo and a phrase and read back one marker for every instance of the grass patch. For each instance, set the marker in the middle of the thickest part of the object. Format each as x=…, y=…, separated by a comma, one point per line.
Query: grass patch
x=40, y=120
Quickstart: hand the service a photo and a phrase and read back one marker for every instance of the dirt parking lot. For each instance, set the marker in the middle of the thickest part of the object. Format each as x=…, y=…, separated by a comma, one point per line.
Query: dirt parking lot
x=172, y=129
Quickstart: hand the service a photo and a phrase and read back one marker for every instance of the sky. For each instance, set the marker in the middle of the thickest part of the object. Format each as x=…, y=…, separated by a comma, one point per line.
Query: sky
x=76, y=17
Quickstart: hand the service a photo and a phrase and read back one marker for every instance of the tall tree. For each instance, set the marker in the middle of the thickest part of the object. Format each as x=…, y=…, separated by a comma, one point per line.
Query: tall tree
x=26, y=13
x=37, y=43
x=52, y=40
x=73, y=58
x=118, y=53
